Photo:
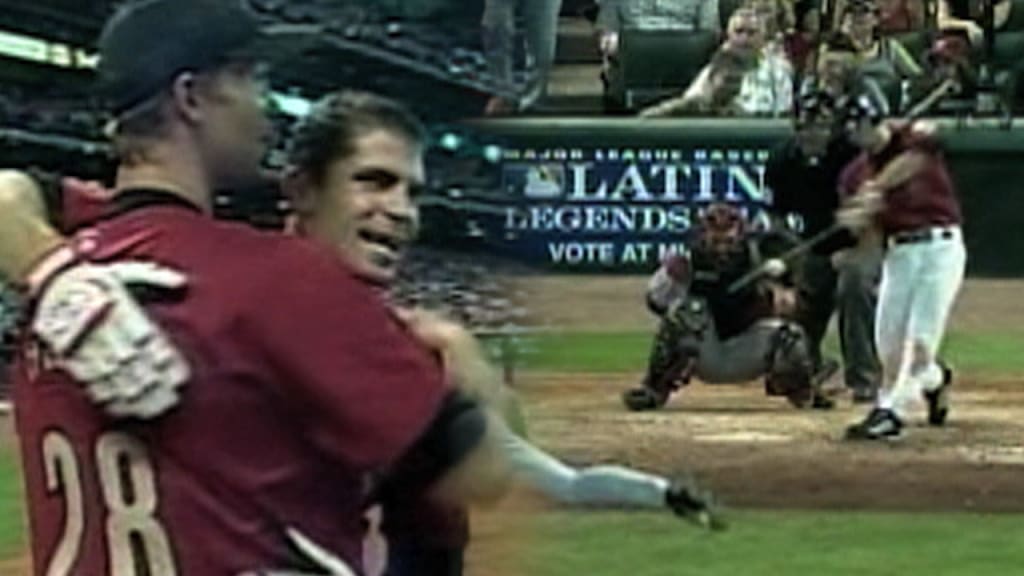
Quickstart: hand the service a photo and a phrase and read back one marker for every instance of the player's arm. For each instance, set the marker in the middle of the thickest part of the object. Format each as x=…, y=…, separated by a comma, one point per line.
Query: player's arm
x=922, y=148
x=25, y=235
x=465, y=361
x=92, y=327
x=484, y=473
x=901, y=169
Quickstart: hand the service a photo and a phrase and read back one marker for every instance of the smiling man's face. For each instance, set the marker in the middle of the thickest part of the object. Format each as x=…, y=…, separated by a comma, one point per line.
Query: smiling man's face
x=365, y=207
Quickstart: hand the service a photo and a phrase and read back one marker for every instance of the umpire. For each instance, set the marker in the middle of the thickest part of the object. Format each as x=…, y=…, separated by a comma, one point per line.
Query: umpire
x=803, y=172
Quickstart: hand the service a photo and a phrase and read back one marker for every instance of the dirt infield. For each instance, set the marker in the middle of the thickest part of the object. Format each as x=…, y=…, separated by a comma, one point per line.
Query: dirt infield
x=582, y=303
x=759, y=452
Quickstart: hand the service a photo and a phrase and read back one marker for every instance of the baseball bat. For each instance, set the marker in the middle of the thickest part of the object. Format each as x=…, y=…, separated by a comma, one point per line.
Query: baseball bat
x=786, y=257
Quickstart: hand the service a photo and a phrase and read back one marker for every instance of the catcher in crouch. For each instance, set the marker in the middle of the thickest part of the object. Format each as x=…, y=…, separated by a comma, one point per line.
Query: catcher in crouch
x=722, y=333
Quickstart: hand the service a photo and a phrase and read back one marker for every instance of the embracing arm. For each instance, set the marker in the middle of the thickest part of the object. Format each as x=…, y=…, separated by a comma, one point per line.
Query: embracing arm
x=25, y=235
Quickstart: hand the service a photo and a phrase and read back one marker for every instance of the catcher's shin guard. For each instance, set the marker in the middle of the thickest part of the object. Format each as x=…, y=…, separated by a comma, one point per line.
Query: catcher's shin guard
x=790, y=370
x=670, y=366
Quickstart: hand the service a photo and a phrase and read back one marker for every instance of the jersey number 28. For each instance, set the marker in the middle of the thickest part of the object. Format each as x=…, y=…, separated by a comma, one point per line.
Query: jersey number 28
x=136, y=542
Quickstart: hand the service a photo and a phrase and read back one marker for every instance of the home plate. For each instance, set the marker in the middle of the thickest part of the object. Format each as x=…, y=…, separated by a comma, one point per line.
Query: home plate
x=994, y=454
x=743, y=437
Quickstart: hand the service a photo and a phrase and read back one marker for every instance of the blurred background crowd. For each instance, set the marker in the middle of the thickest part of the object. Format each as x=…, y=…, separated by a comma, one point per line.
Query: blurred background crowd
x=453, y=59
x=749, y=57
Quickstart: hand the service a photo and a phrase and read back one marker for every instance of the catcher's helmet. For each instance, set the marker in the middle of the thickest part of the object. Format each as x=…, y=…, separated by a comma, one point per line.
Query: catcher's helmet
x=721, y=228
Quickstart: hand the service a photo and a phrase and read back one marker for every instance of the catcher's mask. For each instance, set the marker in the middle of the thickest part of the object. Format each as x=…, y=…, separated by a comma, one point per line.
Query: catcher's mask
x=721, y=229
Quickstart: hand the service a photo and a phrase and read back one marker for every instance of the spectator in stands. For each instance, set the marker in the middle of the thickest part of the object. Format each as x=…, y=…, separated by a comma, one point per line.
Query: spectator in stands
x=786, y=34
x=836, y=66
x=767, y=88
x=901, y=16
x=967, y=18
x=499, y=26
x=726, y=71
x=778, y=18
x=801, y=41
x=950, y=59
x=883, y=59
x=618, y=15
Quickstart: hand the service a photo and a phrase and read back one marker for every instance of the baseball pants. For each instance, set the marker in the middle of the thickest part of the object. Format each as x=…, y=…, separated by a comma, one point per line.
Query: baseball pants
x=919, y=285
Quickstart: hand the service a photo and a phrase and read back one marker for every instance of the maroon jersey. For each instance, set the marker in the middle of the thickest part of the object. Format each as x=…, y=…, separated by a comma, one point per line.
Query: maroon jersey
x=927, y=199
x=82, y=202
x=304, y=388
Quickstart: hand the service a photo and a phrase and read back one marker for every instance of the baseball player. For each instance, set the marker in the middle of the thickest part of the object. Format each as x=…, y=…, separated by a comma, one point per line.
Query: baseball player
x=260, y=461
x=900, y=186
x=341, y=200
x=719, y=334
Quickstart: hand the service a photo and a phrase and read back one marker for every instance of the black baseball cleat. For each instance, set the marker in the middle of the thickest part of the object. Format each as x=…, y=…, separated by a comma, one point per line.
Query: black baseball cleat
x=880, y=424
x=643, y=399
x=938, y=399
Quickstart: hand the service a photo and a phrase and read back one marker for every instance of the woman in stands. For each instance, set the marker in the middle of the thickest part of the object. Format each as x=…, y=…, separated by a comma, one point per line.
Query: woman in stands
x=883, y=59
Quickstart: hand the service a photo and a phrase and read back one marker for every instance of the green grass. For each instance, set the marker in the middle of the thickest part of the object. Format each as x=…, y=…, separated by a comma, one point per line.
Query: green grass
x=776, y=544
x=997, y=353
x=12, y=524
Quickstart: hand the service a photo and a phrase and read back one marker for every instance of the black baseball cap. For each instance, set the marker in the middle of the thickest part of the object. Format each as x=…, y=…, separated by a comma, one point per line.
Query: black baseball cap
x=147, y=43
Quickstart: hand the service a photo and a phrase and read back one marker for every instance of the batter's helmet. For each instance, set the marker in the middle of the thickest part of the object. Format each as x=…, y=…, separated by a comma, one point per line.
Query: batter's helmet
x=813, y=103
x=868, y=102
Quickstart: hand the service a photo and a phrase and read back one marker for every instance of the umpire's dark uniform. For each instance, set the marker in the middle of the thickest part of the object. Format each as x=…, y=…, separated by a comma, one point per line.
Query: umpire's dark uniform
x=808, y=186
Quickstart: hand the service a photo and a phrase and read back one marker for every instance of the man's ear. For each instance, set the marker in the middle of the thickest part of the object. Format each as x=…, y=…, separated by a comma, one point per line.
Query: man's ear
x=185, y=97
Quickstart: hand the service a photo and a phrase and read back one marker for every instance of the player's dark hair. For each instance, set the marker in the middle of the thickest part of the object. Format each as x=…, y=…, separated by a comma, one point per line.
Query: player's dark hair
x=330, y=130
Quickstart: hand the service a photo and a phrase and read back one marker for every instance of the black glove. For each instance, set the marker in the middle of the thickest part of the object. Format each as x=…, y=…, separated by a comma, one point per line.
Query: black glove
x=697, y=505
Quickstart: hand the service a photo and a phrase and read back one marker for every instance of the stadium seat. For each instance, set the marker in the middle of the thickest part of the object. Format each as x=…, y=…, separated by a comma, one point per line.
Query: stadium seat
x=1008, y=49
x=1007, y=56
x=725, y=10
x=656, y=64
x=1016, y=21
